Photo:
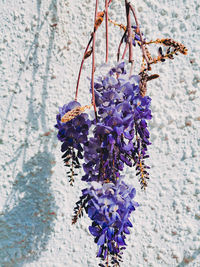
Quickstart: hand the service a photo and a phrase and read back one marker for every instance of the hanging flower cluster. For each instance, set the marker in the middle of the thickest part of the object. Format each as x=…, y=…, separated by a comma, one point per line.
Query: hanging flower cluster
x=117, y=137
x=73, y=134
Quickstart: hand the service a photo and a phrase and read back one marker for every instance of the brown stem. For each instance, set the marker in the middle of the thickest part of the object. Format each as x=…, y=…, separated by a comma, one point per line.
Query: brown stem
x=107, y=260
x=121, y=42
x=83, y=59
x=141, y=38
x=126, y=47
x=79, y=74
x=128, y=18
x=106, y=12
x=93, y=62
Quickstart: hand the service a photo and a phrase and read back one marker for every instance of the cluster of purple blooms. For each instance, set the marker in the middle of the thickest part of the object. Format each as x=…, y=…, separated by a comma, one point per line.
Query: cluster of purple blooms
x=117, y=138
x=73, y=135
x=109, y=207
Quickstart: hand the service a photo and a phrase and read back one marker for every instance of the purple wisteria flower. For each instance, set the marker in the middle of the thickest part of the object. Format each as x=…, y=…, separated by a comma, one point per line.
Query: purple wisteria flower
x=109, y=208
x=118, y=138
x=73, y=134
x=121, y=131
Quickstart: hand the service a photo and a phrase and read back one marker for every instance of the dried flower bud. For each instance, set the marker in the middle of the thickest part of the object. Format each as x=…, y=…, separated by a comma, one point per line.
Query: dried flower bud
x=88, y=54
x=99, y=20
x=178, y=46
x=148, y=53
x=143, y=83
x=74, y=112
x=170, y=42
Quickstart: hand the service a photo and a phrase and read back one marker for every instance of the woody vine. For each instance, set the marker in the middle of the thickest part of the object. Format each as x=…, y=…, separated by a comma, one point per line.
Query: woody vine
x=116, y=137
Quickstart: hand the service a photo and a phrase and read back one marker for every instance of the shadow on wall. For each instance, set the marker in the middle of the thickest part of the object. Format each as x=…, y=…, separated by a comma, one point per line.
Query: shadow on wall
x=33, y=50
x=27, y=220
x=26, y=228
x=188, y=260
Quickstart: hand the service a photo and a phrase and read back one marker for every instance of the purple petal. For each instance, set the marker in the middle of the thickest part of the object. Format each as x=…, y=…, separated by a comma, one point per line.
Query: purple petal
x=110, y=233
x=91, y=211
x=105, y=253
x=126, y=231
x=100, y=251
x=120, y=240
x=101, y=240
x=94, y=230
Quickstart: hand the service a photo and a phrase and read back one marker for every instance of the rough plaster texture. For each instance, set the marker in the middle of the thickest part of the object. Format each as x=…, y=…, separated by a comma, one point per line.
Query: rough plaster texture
x=39, y=64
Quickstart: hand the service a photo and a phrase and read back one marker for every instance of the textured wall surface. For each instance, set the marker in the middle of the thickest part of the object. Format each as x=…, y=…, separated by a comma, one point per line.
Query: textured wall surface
x=41, y=46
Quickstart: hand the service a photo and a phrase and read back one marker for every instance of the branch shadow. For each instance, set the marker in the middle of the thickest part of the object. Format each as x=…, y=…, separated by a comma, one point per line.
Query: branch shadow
x=190, y=259
x=25, y=228
x=29, y=214
x=34, y=48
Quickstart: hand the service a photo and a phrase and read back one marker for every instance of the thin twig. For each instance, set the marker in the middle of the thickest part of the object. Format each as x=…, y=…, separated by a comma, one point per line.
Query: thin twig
x=126, y=47
x=93, y=62
x=129, y=35
x=129, y=40
x=141, y=38
x=117, y=24
x=120, y=44
x=106, y=13
x=83, y=59
x=79, y=74
x=107, y=260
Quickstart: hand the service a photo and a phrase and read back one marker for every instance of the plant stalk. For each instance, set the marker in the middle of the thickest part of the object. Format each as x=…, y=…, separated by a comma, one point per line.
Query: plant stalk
x=93, y=62
x=106, y=13
x=141, y=38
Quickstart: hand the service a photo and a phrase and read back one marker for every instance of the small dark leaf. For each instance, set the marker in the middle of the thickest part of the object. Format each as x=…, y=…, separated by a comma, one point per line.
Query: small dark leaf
x=66, y=153
x=88, y=54
x=160, y=52
x=77, y=167
x=153, y=76
x=77, y=161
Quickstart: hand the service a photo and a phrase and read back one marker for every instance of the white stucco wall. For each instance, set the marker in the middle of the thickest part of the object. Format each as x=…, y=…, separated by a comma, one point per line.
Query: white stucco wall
x=39, y=65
